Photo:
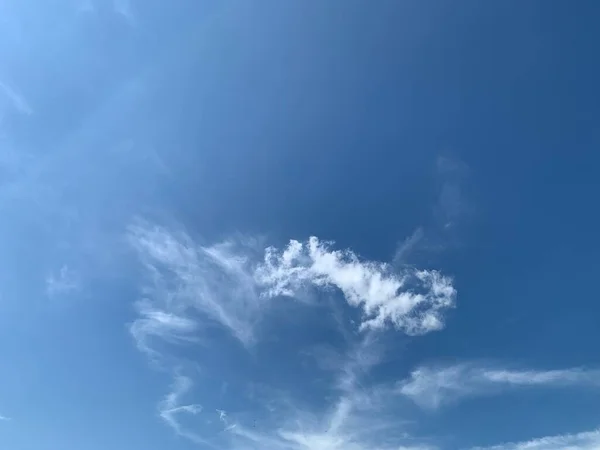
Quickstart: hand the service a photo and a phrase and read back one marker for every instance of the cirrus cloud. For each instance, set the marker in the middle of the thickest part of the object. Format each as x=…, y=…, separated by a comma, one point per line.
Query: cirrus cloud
x=587, y=440
x=431, y=387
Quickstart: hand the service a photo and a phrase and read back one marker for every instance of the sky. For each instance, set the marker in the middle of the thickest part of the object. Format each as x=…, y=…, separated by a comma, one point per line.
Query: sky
x=299, y=225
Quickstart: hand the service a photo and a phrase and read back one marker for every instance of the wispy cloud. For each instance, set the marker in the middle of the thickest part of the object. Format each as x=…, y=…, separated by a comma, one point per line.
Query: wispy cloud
x=348, y=424
x=357, y=416
x=412, y=300
x=589, y=440
x=156, y=323
x=64, y=281
x=17, y=100
x=124, y=8
x=408, y=246
x=170, y=408
x=354, y=421
x=188, y=282
x=432, y=387
x=451, y=207
x=451, y=203
x=4, y=418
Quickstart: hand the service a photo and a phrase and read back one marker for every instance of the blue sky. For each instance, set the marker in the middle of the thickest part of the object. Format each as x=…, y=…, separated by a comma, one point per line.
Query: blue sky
x=299, y=225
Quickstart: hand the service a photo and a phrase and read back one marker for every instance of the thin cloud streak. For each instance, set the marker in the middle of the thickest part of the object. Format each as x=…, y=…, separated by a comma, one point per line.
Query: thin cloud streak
x=451, y=210
x=408, y=246
x=589, y=440
x=155, y=323
x=17, y=100
x=170, y=408
x=433, y=387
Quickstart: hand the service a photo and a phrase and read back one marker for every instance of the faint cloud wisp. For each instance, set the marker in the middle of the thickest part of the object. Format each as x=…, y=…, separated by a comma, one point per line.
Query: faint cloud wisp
x=18, y=102
x=451, y=209
x=589, y=440
x=63, y=282
x=433, y=387
x=170, y=408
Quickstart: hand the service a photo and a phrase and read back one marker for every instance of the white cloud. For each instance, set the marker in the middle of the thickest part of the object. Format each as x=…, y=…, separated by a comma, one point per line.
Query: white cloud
x=412, y=301
x=222, y=283
x=431, y=387
x=188, y=282
x=170, y=408
x=222, y=415
x=191, y=287
x=157, y=323
x=357, y=417
x=589, y=440
x=349, y=424
x=361, y=419
x=4, y=418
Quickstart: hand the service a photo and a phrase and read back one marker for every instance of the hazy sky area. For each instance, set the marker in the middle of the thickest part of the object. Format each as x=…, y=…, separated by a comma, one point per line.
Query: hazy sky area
x=299, y=225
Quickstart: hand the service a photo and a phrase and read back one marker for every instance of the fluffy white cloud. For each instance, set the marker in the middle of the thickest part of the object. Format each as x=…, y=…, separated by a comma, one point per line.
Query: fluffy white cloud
x=228, y=285
x=412, y=301
x=431, y=387
x=189, y=287
x=589, y=440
